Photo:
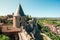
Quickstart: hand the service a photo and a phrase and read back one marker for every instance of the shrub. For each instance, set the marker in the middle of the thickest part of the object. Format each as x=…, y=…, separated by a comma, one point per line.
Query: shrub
x=3, y=37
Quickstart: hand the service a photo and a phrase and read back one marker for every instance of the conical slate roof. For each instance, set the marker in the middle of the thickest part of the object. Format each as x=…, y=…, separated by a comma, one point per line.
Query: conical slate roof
x=19, y=11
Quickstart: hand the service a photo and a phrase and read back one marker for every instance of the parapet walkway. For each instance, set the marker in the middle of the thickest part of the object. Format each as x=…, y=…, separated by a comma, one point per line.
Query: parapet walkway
x=45, y=37
x=25, y=36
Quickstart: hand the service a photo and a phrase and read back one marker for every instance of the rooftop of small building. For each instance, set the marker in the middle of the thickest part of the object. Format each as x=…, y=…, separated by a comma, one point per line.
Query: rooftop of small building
x=9, y=28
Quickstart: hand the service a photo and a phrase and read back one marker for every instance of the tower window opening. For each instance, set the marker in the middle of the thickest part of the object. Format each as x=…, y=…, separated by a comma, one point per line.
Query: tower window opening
x=20, y=24
x=20, y=19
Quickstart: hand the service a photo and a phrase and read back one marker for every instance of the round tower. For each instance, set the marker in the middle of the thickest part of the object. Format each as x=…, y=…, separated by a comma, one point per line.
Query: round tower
x=19, y=17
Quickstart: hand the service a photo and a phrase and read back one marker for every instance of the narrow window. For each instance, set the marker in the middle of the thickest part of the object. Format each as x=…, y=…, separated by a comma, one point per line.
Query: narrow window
x=20, y=24
x=20, y=19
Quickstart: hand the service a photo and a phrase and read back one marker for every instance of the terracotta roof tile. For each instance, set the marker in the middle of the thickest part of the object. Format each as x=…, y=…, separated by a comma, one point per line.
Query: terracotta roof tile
x=10, y=29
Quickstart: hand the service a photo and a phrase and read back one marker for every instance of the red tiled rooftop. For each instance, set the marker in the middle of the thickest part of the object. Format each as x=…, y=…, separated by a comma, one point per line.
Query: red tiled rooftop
x=1, y=24
x=10, y=29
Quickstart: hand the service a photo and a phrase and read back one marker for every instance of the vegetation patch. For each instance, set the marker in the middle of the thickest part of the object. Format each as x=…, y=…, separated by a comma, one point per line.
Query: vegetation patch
x=45, y=30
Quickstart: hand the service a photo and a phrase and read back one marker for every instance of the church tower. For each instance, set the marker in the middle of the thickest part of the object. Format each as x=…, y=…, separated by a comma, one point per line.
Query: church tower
x=19, y=17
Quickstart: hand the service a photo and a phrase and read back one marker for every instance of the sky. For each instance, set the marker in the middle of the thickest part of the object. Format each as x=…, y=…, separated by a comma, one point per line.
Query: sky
x=35, y=8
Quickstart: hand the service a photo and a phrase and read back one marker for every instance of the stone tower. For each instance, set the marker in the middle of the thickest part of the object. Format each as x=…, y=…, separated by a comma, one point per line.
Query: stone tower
x=19, y=17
